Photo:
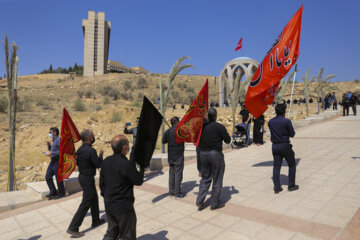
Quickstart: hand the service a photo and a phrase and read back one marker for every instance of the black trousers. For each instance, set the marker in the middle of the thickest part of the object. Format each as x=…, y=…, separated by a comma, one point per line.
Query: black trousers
x=334, y=106
x=353, y=108
x=176, y=176
x=198, y=163
x=281, y=151
x=346, y=108
x=89, y=201
x=213, y=168
x=257, y=134
x=121, y=226
x=50, y=172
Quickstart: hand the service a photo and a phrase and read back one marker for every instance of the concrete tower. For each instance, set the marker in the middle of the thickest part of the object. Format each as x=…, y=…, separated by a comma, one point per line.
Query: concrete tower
x=96, y=43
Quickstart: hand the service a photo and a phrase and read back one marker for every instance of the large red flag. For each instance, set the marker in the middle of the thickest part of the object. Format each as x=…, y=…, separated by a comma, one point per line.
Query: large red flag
x=278, y=61
x=190, y=127
x=67, y=156
x=239, y=45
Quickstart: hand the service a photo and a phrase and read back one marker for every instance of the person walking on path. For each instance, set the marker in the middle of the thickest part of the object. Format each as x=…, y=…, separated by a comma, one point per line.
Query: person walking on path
x=212, y=160
x=87, y=161
x=133, y=130
x=52, y=169
x=281, y=130
x=353, y=103
x=117, y=179
x=258, y=131
x=175, y=159
x=334, y=101
x=345, y=104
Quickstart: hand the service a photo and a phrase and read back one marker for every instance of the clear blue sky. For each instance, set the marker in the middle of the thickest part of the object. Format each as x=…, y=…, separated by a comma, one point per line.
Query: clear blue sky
x=154, y=34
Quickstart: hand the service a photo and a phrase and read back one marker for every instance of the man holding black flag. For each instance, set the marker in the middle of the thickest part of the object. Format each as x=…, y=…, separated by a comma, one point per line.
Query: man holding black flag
x=87, y=162
x=212, y=160
x=175, y=158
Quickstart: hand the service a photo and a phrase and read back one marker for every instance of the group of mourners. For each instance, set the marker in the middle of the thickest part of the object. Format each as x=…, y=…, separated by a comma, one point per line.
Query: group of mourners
x=349, y=100
x=118, y=174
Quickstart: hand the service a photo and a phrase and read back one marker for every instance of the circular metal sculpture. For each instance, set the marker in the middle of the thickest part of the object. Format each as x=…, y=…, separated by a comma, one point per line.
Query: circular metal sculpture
x=247, y=67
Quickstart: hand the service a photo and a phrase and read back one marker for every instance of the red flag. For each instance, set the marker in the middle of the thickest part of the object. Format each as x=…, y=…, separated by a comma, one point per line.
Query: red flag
x=67, y=156
x=278, y=61
x=190, y=127
x=239, y=45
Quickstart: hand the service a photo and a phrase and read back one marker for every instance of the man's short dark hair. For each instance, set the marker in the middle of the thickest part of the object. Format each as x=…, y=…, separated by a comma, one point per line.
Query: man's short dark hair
x=85, y=135
x=174, y=120
x=280, y=109
x=55, y=129
x=212, y=113
x=118, y=142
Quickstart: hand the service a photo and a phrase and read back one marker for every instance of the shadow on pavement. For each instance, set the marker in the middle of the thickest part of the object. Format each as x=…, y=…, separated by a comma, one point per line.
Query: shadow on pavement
x=186, y=187
x=226, y=193
x=355, y=158
x=271, y=163
x=32, y=238
x=153, y=174
x=157, y=236
x=89, y=212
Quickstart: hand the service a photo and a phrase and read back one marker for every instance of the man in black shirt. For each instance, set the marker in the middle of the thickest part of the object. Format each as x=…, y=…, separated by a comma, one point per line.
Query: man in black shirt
x=117, y=179
x=281, y=129
x=353, y=103
x=133, y=130
x=87, y=161
x=212, y=160
x=175, y=159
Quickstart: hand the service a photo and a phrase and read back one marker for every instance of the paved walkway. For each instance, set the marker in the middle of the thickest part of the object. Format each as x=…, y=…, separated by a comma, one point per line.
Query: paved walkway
x=325, y=207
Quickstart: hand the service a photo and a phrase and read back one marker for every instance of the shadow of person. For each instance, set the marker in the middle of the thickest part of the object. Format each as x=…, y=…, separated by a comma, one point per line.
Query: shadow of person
x=226, y=193
x=186, y=187
x=36, y=237
x=271, y=163
x=89, y=213
x=151, y=175
x=157, y=236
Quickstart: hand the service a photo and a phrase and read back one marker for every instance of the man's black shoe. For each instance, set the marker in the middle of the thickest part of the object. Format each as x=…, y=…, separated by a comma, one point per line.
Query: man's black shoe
x=98, y=223
x=200, y=206
x=50, y=196
x=180, y=195
x=75, y=234
x=277, y=190
x=59, y=196
x=219, y=205
x=293, y=188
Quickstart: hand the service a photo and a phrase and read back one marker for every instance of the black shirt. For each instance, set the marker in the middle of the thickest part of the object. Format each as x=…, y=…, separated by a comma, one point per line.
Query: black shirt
x=212, y=136
x=87, y=160
x=117, y=179
x=175, y=150
x=281, y=129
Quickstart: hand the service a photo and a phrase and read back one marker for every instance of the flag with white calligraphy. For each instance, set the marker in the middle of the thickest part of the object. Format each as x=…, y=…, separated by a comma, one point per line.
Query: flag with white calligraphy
x=276, y=64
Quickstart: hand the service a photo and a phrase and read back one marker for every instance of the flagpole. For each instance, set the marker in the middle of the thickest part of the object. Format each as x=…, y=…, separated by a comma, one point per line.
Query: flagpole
x=292, y=90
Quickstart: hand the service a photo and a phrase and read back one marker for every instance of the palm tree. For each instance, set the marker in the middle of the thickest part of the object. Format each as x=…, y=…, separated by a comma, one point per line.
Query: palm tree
x=322, y=85
x=167, y=89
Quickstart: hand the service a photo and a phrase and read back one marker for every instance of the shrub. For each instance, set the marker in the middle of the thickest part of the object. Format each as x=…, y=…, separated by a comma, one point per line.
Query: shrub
x=3, y=104
x=126, y=96
x=142, y=83
x=357, y=81
x=79, y=106
x=127, y=85
x=140, y=96
x=23, y=105
x=190, y=90
x=106, y=100
x=110, y=91
x=80, y=93
x=89, y=94
x=43, y=103
x=116, y=117
x=98, y=107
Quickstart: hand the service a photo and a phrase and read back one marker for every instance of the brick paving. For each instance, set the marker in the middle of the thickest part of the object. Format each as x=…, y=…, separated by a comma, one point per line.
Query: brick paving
x=325, y=207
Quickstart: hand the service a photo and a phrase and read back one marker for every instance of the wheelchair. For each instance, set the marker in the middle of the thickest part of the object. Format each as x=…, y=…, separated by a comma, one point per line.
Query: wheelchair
x=240, y=137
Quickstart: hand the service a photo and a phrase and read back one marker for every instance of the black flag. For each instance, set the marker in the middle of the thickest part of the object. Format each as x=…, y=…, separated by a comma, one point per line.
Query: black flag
x=147, y=134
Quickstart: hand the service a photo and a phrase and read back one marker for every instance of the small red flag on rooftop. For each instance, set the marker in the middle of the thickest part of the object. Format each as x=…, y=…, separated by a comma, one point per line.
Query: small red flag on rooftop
x=67, y=156
x=276, y=64
x=239, y=45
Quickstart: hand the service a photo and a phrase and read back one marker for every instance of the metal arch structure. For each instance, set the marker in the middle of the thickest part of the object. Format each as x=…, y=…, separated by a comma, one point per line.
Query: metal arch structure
x=247, y=67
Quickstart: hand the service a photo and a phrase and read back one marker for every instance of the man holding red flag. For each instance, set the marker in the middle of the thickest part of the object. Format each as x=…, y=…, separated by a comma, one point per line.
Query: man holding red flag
x=276, y=64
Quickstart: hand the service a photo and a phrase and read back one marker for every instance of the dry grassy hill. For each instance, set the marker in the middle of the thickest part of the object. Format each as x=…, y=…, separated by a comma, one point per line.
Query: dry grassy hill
x=110, y=101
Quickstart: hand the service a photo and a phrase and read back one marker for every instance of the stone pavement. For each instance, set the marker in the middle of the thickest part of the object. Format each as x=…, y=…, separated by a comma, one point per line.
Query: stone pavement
x=325, y=207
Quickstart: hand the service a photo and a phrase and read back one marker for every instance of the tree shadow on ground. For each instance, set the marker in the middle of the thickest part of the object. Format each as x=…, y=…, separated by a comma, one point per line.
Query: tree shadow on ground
x=271, y=163
x=186, y=187
x=157, y=236
x=152, y=174
x=32, y=238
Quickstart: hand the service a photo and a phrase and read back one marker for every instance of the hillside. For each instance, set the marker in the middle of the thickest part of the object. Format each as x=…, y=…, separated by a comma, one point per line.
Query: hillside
x=110, y=101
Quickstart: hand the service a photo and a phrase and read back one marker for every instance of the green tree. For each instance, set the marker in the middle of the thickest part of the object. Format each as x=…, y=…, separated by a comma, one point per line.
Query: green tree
x=51, y=68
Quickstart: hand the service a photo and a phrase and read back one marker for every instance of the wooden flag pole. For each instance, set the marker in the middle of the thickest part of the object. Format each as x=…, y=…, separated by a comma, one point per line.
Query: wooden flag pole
x=292, y=90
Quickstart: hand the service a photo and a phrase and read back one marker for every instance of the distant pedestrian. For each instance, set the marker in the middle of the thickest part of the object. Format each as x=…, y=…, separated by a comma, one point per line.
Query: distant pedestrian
x=345, y=104
x=54, y=150
x=175, y=159
x=212, y=160
x=117, y=179
x=258, y=130
x=87, y=162
x=353, y=103
x=281, y=130
x=334, y=101
x=133, y=130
